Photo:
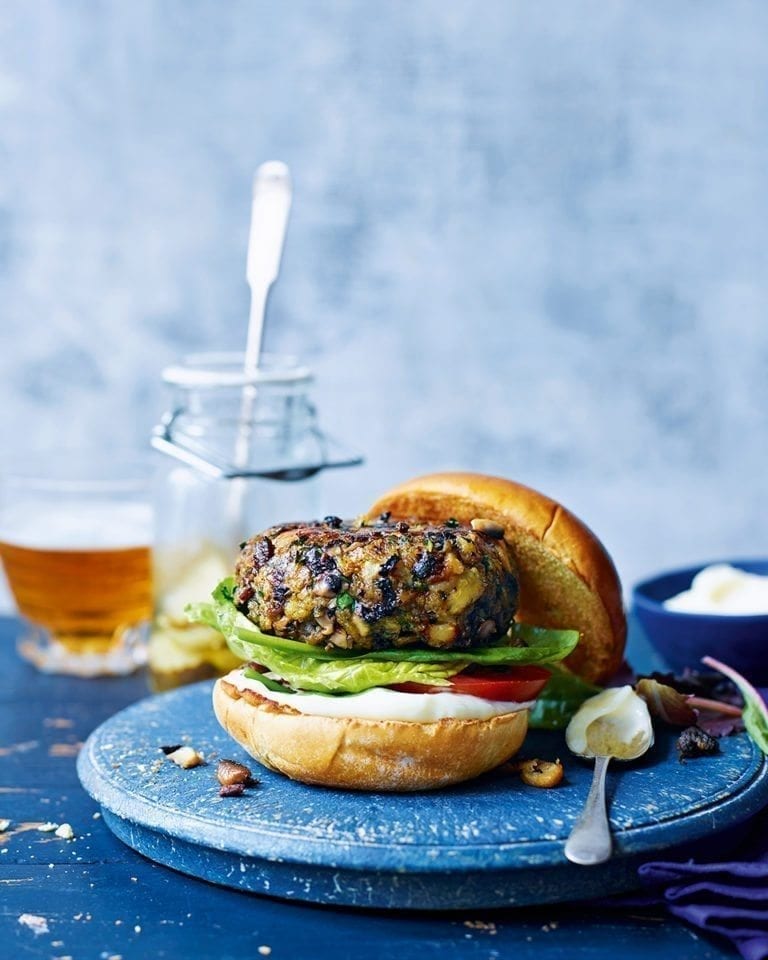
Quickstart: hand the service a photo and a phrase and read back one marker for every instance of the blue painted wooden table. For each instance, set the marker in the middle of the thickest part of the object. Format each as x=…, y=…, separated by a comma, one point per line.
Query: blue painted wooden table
x=95, y=897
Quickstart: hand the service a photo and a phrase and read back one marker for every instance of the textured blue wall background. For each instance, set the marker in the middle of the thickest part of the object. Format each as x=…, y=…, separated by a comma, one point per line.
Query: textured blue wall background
x=527, y=238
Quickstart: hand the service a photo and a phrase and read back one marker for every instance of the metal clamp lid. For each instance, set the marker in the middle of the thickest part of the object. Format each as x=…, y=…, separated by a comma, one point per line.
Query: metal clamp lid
x=190, y=451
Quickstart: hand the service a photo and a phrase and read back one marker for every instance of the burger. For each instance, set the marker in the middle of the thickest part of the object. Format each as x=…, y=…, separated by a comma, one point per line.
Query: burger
x=402, y=651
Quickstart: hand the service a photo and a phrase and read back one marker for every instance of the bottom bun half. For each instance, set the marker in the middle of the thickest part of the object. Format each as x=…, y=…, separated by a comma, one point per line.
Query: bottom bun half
x=356, y=754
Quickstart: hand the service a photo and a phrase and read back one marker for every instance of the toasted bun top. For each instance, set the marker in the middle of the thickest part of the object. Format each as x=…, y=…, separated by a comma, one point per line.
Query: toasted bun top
x=567, y=579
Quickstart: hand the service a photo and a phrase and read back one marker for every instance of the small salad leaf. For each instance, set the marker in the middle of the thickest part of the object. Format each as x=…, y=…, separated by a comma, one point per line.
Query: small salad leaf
x=560, y=699
x=666, y=703
x=755, y=712
x=719, y=725
x=680, y=701
x=706, y=685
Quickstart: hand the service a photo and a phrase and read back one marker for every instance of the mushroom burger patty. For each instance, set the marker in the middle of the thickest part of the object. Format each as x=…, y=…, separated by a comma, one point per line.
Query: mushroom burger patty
x=373, y=585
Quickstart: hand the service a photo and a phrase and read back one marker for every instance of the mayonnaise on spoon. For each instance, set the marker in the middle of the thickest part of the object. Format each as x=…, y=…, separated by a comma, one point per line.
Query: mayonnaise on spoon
x=615, y=723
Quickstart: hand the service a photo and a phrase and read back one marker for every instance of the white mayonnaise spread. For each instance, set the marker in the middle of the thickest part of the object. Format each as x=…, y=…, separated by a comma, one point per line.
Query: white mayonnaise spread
x=382, y=704
x=721, y=588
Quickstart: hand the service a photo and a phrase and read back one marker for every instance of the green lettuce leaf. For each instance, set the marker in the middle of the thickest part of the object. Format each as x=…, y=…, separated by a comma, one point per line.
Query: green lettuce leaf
x=314, y=668
x=347, y=676
x=560, y=699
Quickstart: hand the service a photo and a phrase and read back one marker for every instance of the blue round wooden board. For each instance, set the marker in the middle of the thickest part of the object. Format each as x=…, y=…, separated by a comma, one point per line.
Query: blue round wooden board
x=490, y=843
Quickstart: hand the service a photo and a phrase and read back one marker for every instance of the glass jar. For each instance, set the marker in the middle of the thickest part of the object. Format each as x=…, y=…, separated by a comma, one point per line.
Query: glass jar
x=243, y=452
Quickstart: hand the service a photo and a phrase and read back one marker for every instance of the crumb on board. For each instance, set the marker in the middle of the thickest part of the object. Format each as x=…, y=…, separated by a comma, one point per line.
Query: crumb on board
x=65, y=749
x=185, y=757
x=4, y=824
x=58, y=723
x=48, y=827
x=64, y=832
x=19, y=748
x=33, y=922
x=264, y=950
x=485, y=926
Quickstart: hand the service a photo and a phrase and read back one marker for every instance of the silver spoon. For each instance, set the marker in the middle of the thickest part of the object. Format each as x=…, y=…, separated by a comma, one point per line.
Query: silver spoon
x=613, y=724
x=590, y=840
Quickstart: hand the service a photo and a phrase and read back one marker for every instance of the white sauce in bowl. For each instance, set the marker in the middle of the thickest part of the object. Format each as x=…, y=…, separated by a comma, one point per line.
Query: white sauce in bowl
x=723, y=589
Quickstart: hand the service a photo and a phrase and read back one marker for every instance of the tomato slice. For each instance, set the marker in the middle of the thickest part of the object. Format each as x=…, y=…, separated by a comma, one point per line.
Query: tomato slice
x=516, y=684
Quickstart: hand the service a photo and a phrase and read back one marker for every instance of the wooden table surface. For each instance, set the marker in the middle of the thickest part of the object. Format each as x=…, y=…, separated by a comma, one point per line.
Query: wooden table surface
x=93, y=897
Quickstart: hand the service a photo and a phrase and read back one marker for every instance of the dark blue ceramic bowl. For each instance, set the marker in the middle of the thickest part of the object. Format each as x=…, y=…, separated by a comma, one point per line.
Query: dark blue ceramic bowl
x=682, y=639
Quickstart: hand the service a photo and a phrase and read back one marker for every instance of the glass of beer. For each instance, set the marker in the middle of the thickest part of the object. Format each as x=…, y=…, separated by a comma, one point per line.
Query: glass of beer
x=75, y=545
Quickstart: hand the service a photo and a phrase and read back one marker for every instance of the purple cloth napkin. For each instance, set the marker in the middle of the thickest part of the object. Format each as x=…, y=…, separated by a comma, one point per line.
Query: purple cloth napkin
x=730, y=898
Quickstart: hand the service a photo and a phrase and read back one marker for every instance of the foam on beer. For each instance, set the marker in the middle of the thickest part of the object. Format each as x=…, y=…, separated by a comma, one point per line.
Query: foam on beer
x=84, y=526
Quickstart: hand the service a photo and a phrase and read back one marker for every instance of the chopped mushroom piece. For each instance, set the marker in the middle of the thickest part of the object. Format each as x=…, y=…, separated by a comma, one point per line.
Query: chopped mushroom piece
x=541, y=773
x=229, y=772
x=695, y=742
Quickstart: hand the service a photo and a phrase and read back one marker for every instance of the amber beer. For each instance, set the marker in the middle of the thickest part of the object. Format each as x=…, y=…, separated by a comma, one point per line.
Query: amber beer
x=84, y=598
x=77, y=558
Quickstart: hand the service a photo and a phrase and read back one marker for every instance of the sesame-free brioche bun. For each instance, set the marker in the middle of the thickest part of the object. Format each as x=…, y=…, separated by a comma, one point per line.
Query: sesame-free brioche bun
x=355, y=754
x=567, y=579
